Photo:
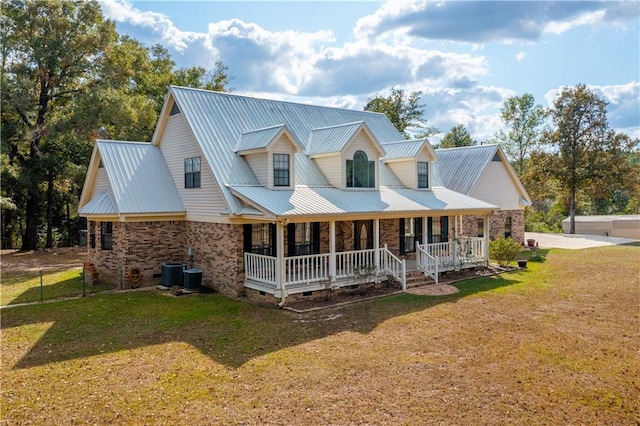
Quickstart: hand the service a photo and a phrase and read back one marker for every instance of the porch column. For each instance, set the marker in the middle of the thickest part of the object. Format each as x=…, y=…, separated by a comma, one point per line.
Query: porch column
x=485, y=232
x=332, y=249
x=425, y=231
x=376, y=243
x=280, y=269
x=456, y=261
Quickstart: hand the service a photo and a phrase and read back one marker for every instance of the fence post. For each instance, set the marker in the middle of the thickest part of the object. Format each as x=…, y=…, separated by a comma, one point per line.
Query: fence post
x=84, y=284
x=41, y=289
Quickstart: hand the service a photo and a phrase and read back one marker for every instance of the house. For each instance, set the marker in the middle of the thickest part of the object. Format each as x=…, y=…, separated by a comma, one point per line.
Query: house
x=623, y=226
x=274, y=199
x=484, y=172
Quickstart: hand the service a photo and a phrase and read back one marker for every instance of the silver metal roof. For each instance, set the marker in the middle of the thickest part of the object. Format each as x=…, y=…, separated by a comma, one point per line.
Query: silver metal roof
x=257, y=139
x=218, y=119
x=403, y=149
x=139, y=179
x=307, y=201
x=102, y=203
x=331, y=139
x=459, y=169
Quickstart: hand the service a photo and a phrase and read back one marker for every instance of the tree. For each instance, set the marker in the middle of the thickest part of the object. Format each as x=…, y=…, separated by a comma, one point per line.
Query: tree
x=51, y=52
x=457, y=137
x=402, y=110
x=524, y=120
x=586, y=151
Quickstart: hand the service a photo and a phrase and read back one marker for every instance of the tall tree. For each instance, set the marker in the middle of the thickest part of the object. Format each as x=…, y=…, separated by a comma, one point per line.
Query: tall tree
x=586, y=150
x=524, y=120
x=403, y=110
x=457, y=137
x=51, y=52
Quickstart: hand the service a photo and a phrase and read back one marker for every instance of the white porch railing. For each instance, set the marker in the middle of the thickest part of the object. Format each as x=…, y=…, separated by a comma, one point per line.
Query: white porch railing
x=260, y=268
x=300, y=272
x=394, y=266
x=426, y=262
x=464, y=252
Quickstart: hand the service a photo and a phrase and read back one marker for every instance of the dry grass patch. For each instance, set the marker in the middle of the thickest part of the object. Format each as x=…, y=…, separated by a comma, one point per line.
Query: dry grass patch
x=553, y=344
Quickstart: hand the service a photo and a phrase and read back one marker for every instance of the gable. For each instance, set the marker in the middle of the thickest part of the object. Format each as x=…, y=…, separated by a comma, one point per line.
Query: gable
x=495, y=186
x=177, y=144
x=128, y=178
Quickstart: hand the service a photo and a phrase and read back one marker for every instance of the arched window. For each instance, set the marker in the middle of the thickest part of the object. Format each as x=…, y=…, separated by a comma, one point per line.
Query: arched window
x=361, y=173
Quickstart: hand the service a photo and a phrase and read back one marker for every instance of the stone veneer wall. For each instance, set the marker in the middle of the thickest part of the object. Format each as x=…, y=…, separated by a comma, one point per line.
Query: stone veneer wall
x=145, y=245
x=496, y=224
x=218, y=252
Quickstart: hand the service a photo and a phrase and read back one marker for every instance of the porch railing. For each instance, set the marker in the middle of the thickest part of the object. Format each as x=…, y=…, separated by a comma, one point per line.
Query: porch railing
x=426, y=262
x=464, y=252
x=315, y=268
x=260, y=268
x=394, y=266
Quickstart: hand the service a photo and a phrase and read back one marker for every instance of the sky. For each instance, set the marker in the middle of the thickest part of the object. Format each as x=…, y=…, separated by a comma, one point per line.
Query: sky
x=466, y=57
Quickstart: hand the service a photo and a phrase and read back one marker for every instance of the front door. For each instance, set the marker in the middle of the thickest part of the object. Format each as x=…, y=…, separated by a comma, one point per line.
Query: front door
x=363, y=234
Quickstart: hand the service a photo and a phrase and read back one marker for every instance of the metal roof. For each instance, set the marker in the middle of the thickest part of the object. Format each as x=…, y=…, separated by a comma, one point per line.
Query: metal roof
x=102, y=203
x=139, y=179
x=218, y=119
x=307, y=201
x=331, y=139
x=257, y=139
x=459, y=169
x=403, y=149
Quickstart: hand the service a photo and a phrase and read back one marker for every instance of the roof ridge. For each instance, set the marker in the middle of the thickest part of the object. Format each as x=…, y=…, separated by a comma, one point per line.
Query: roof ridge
x=335, y=126
x=236, y=95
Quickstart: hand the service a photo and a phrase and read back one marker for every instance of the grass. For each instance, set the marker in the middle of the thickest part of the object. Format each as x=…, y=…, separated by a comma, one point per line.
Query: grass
x=555, y=343
x=24, y=287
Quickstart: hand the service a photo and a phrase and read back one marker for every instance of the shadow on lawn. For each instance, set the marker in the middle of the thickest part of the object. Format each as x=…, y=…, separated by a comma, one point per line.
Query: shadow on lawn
x=228, y=331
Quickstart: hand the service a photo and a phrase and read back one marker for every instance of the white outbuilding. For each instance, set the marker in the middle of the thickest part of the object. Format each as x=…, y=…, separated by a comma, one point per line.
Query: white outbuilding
x=624, y=226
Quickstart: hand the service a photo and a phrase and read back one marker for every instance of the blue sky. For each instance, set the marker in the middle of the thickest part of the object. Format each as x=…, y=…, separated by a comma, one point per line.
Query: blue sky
x=466, y=57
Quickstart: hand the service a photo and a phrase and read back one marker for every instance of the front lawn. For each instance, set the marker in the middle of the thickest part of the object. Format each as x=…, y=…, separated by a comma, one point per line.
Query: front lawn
x=555, y=343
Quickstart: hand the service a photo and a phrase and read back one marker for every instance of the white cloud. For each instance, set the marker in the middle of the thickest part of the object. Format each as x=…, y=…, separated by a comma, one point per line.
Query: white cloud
x=483, y=21
x=520, y=56
x=123, y=11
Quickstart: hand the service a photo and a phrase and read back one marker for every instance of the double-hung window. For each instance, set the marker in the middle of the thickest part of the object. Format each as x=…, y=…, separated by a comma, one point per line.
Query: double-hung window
x=423, y=174
x=507, y=226
x=281, y=170
x=106, y=235
x=192, y=172
x=361, y=173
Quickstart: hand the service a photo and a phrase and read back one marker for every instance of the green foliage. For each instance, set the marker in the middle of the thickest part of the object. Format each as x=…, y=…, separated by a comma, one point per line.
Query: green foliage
x=457, y=137
x=588, y=155
x=504, y=250
x=68, y=79
x=537, y=258
x=545, y=220
x=524, y=120
x=402, y=110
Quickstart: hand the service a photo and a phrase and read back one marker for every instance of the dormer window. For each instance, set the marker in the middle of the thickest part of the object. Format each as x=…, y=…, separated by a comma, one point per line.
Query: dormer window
x=281, y=170
x=423, y=174
x=361, y=173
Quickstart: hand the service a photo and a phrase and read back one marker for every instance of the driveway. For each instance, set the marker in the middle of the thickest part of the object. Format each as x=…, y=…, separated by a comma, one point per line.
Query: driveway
x=568, y=241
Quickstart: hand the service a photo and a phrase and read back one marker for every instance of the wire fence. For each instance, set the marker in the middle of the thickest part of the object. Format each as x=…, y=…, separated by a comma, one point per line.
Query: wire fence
x=46, y=285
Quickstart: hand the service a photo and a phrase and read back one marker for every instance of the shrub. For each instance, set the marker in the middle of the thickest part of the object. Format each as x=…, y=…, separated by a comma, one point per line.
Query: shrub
x=504, y=250
x=537, y=258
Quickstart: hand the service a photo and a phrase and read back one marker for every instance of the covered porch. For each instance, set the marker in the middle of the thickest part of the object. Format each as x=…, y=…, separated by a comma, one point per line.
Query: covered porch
x=373, y=258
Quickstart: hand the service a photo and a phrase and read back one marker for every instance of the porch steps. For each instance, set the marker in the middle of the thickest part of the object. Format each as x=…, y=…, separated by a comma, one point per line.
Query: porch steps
x=418, y=279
